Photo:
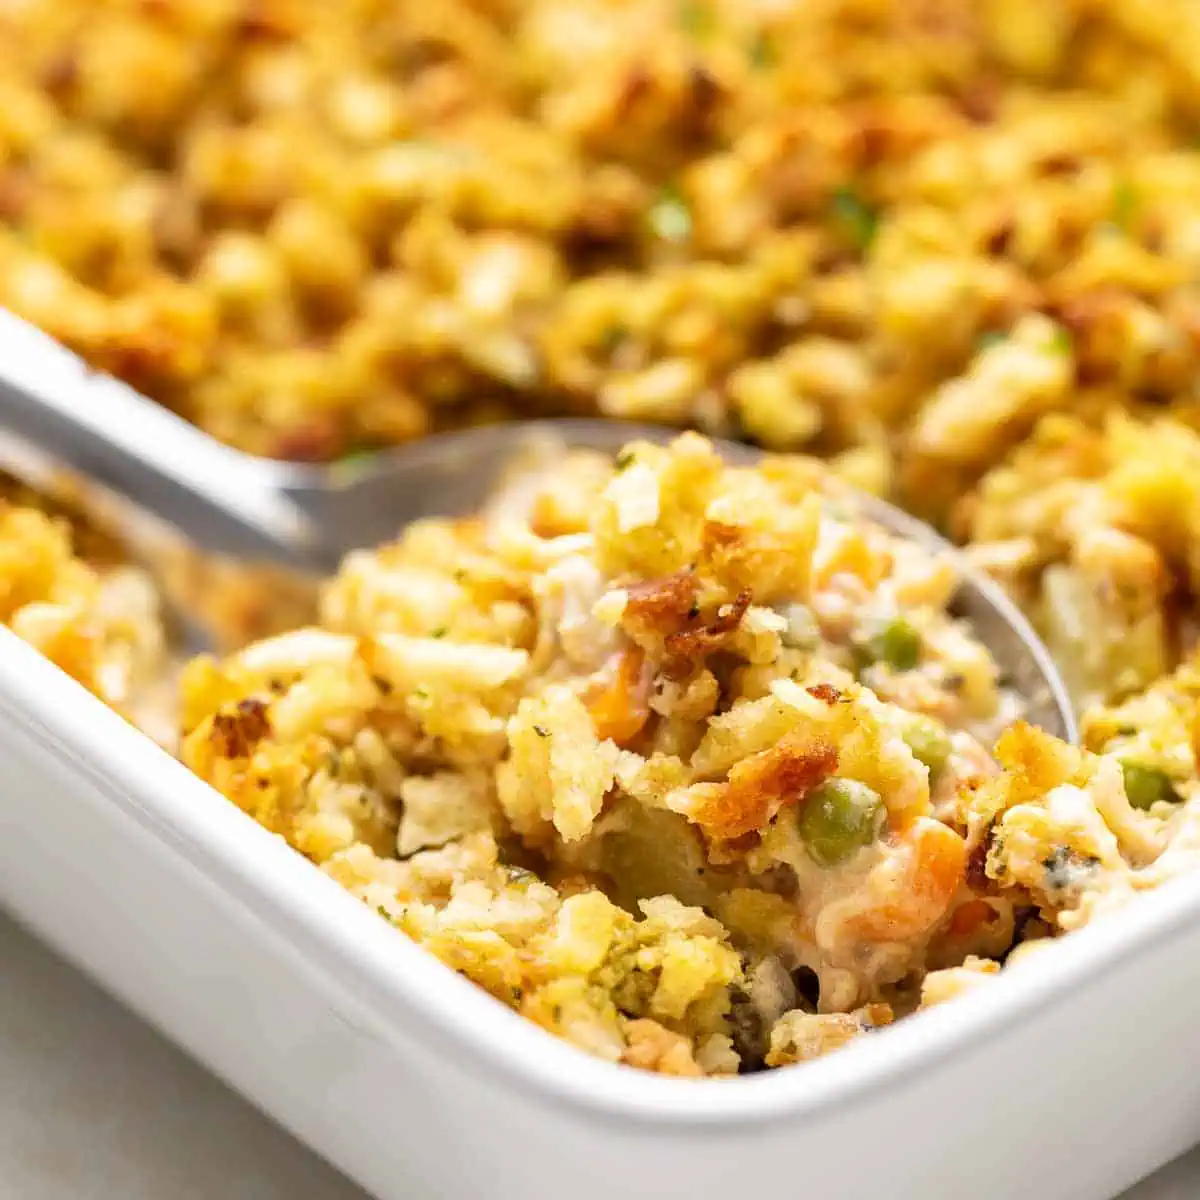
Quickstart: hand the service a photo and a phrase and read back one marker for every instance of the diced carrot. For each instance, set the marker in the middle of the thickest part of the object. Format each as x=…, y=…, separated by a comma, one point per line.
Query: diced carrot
x=621, y=707
x=970, y=916
x=935, y=863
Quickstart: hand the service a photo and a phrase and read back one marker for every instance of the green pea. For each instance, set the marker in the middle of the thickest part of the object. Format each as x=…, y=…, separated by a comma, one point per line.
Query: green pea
x=1145, y=786
x=839, y=817
x=1126, y=204
x=929, y=743
x=898, y=644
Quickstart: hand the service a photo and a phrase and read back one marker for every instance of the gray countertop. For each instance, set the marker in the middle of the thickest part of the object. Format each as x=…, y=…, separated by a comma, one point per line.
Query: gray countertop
x=96, y=1106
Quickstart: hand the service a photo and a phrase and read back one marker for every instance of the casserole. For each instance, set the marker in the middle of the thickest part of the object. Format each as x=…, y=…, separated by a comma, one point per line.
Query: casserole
x=413, y=1082
x=1044, y=357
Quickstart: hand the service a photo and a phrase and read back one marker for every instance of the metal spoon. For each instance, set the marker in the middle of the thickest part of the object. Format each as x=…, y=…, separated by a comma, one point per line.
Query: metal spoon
x=454, y=473
x=304, y=517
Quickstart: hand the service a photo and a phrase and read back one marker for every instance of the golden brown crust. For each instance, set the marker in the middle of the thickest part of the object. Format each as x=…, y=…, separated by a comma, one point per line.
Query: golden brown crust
x=760, y=785
x=237, y=731
x=660, y=607
x=709, y=636
x=672, y=614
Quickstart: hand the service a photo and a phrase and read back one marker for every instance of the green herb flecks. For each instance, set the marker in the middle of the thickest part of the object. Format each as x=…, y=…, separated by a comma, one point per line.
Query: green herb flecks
x=670, y=218
x=764, y=51
x=855, y=218
x=1126, y=203
x=614, y=337
x=697, y=19
x=1061, y=341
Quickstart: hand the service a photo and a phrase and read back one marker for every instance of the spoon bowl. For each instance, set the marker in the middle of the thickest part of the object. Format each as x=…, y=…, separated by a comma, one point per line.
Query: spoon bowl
x=452, y=474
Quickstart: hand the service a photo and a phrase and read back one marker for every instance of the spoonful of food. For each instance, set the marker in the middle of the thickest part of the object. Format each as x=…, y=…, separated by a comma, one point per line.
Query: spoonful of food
x=877, y=573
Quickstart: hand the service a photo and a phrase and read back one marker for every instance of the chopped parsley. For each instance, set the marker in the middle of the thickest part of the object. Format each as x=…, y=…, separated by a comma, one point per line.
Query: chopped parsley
x=856, y=219
x=1061, y=341
x=541, y=731
x=613, y=339
x=625, y=460
x=764, y=51
x=1125, y=205
x=696, y=18
x=439, y=632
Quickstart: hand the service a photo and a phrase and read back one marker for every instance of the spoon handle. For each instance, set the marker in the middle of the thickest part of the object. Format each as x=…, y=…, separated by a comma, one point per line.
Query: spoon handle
x=104, y=430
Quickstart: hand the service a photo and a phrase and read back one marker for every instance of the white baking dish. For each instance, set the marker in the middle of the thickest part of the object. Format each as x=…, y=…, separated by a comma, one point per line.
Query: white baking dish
x=1069, y=1079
